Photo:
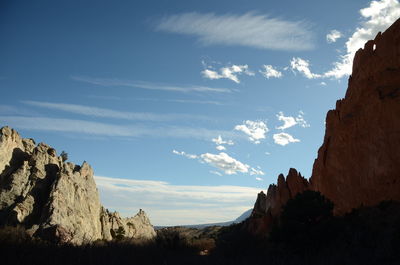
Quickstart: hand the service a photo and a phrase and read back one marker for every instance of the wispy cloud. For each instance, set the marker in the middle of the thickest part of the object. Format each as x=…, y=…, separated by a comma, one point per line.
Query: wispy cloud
x=169, y=204
x=182, y=153
x=250, y=29
x=147, y=85
x=284, y=139
x=255, y=130
x=333, y=36
x=106, y=129
x=229, y=72
x=109, y=113
x=269, y=71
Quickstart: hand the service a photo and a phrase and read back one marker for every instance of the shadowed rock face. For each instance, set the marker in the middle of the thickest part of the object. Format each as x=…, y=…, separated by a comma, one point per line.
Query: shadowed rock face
x=359, y=161
x=269, y=206
x=54, y=200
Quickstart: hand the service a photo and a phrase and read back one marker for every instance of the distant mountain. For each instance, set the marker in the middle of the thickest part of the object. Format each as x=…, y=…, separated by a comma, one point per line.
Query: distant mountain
x=241, y=218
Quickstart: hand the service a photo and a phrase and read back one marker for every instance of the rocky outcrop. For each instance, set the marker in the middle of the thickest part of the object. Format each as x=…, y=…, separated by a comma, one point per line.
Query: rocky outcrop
x=359, y=161
x=269, y=206
x=53, y=199
x=138, y=226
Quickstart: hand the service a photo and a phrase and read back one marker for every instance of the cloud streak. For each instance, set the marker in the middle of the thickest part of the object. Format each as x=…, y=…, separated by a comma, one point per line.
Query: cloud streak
x=107, y=129
x=113, y=82
x=250, y=30
x=169, y=204
x=109, y=113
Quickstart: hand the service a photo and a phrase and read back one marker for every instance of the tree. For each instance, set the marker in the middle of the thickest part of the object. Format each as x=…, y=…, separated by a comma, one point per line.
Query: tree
x=64, y=156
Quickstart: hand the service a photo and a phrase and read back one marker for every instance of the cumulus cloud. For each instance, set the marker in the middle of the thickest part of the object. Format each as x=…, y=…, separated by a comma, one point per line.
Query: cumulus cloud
x=303, y=66
x=284, y=139
x=270, y=72
x=255, y=130
x=378, y=16
x=168, y=204
x=259, y=179
x=220, y=141
x=220, y=147
x=250, y=29
x=333, y=36
x=225, y=163
x=290, y=121
x=230, y=72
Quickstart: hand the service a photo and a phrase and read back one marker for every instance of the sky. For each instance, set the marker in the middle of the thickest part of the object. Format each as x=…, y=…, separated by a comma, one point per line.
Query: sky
x=186, y=109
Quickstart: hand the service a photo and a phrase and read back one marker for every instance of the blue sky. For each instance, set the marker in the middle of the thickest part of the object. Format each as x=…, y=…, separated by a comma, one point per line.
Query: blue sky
x=186, y=109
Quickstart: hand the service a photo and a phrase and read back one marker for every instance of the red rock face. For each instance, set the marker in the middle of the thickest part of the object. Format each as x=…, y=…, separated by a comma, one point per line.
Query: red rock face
x=359, y=161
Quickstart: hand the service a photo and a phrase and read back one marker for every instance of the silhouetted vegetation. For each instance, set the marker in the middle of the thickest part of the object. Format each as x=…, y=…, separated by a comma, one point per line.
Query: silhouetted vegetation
x=307, y=233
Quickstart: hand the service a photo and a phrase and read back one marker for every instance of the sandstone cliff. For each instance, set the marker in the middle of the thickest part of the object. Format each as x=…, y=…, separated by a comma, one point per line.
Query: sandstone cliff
x=359, y=161
x=56, y=200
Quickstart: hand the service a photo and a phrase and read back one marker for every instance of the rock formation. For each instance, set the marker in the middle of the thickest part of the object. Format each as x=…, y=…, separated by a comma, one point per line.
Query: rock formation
x=268, y=206
x=56, y=200
x=359, y=161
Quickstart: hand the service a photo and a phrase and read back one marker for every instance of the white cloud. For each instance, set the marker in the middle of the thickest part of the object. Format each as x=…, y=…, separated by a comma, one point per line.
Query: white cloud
x=256, y=171
x=215, y=173
x=289, y=121
x=259, y=179
x=322, y=84
x=225, y=163
x=220, y=141
x=270, y=72
x=113, y=82
x=230, y=72
x=267, y=153
x=251, y=30
x=109, y=113
x=220, y=147
x=106, y=129
x=168, y=204
x=182, y=153
x=333, y=36
x=378, y=16
x=284, y=139
x=303, y=67
x=301, y=121
x=256, y=130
